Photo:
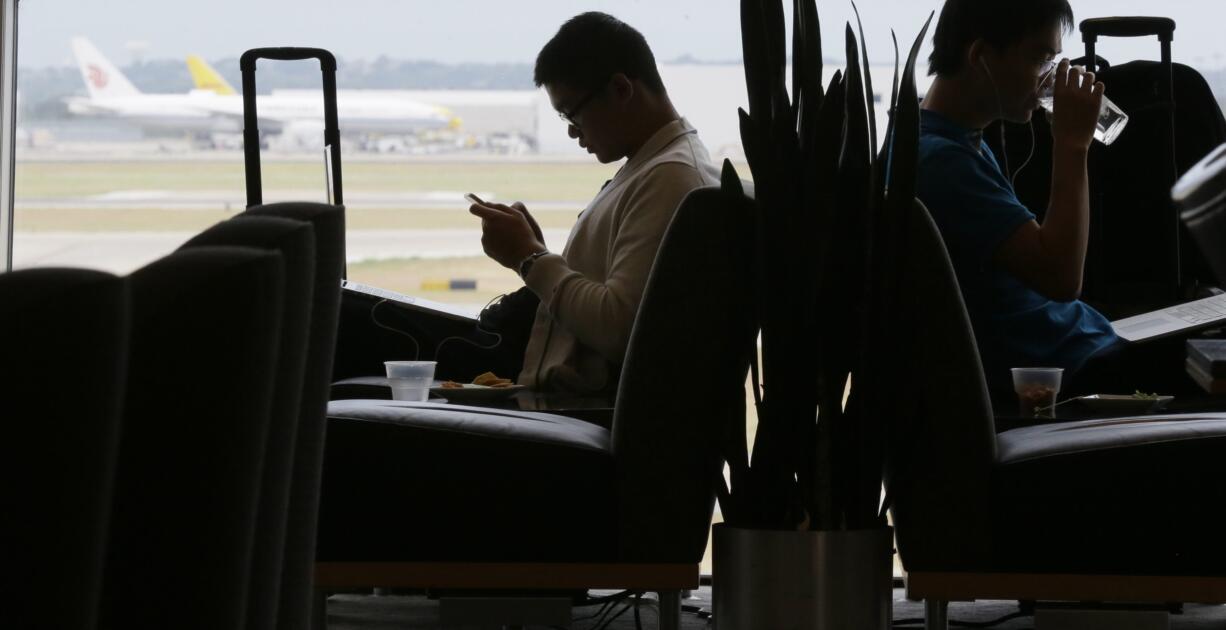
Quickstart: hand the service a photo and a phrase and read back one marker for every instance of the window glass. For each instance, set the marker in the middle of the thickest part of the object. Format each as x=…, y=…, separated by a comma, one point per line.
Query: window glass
x=130, y=137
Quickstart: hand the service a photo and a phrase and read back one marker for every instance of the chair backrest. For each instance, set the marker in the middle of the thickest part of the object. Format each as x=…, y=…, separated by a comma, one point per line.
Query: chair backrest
x=295, y=241
x=64, y=338
x=299, y=563
x=1201, y=196
x=196, y=411
x=684, y=378
x=942, y=452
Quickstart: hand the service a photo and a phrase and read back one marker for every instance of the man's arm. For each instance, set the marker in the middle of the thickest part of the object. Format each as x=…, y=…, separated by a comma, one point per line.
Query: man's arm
x=1050, y=258
x=601, y=314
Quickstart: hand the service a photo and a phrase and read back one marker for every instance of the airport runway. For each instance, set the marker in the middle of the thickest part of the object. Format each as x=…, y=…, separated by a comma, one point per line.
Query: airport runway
x=212, y=200
x=122, y=252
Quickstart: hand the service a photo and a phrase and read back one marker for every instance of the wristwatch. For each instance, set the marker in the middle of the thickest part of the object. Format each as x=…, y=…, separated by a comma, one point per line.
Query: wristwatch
x=525, y=265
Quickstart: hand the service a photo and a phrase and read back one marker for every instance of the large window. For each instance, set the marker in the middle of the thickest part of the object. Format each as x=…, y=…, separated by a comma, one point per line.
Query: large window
x=125, y=149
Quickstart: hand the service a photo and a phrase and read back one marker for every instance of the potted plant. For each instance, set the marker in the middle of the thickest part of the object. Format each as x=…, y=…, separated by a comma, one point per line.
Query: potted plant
x=805, y=542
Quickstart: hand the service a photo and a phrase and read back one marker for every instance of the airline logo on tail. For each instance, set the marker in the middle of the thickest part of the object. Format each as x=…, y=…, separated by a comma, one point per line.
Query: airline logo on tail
x=206, y=78
x=97, y=76
x=102, y=78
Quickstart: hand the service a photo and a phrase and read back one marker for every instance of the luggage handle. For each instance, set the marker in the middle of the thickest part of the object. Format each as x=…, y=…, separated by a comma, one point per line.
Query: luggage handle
x=288, y=53
x=251, y=130
x=1136, y=26
x=1093, y=28
x=1164, y=29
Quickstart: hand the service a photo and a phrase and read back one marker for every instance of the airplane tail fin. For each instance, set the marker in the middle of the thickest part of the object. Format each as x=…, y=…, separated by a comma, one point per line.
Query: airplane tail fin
x=206, y=78
x=102, y=79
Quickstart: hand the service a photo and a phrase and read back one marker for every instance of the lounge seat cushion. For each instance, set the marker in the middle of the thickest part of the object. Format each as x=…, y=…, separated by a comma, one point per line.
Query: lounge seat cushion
x=1122, y=495
x=479, y=484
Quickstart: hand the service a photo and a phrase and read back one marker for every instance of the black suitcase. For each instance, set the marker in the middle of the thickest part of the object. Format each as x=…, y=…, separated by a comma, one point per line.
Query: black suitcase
x=1140, y=257
x=251, y=129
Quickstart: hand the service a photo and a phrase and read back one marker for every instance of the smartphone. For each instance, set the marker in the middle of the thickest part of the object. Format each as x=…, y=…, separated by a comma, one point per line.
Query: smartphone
x=475, y=199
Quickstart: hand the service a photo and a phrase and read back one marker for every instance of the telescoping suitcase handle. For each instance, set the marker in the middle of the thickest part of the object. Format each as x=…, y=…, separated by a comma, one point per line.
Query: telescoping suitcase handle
x=1161, y=27
x=251, y=130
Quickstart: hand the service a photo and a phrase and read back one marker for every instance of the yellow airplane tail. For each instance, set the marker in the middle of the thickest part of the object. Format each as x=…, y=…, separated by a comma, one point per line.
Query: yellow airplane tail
x=206, y=78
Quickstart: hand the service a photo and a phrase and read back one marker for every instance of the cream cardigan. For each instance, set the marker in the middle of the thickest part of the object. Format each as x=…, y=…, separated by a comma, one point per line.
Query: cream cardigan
x=591, y=292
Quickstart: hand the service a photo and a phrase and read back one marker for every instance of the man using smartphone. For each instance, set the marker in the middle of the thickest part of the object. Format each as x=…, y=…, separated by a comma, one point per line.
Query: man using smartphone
x=601, y=78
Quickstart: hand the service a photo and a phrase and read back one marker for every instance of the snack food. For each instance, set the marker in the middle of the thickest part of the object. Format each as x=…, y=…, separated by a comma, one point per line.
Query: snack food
x=451, y=385
x=489, y=379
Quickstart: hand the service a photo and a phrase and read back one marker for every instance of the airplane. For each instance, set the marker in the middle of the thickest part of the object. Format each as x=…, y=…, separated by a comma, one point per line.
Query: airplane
x=112, y=94
x=206, y=78
x=360, y=111
x=220, y=109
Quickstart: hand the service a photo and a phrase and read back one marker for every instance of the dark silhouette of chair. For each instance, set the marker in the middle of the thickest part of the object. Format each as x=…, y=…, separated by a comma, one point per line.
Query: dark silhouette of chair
x=60, y=441
x=295, y=241
x=294, y=610
x=1201, y=196
x=1120, y=509
x=202, y=357
x=446, y=497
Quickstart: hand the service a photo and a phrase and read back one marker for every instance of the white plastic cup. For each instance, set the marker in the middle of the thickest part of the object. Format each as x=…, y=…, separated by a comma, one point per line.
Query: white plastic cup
x=1036, y=391
x=410, y=380
x=1111, y=119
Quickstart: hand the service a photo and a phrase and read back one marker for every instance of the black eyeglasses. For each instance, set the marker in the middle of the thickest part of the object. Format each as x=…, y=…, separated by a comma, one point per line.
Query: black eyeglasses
x=568, y=117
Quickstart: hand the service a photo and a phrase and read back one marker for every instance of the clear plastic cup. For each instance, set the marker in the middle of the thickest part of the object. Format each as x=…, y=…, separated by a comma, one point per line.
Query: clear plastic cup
x=1036, y=391
x=410, y=380
x=1111, y=119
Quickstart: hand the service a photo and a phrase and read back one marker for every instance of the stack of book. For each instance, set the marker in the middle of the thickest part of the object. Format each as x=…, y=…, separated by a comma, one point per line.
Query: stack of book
x=1206, y=364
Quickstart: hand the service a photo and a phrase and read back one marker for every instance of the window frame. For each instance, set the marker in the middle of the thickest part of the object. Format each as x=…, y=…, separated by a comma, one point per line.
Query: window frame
x=8, y=126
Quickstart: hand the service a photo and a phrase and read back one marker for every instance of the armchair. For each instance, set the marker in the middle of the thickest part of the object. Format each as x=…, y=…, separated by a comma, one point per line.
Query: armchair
x=1123, y=509
x=61, y=437
x=444, y=497
x=195, y=416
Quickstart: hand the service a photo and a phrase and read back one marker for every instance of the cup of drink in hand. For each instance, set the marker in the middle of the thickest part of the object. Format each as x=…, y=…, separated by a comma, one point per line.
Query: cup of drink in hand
x=1111, y=119
x=1036, y=391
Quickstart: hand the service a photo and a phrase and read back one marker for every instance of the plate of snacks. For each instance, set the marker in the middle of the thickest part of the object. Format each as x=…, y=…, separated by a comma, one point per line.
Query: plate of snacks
x=485, y=387
x=1137, y=402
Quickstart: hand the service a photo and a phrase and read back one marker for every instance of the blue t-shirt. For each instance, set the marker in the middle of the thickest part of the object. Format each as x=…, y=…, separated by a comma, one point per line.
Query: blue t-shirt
x=976, y=209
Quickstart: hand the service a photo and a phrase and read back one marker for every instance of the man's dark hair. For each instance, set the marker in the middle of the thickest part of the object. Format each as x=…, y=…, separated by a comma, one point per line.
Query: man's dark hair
x=1001, y=23
x=590, y=48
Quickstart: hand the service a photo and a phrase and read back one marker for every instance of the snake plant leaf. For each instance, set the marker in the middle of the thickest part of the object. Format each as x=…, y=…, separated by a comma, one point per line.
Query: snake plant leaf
x=884, y=153
x=904, y=155
x=777, y=55
x=807, y=45
x=798, y=58
x=757, y=80
x=868, y=84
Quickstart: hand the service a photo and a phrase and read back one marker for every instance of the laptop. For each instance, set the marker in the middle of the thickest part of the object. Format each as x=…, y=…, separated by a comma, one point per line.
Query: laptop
x=439, y=309
x=1173, y=320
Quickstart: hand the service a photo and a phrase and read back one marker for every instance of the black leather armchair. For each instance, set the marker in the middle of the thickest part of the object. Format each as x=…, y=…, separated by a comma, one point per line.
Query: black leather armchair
x=196, y=410
x=294, y=609
x=1123, y=509
x=60, y=441
x=295, y=241
x=444, y=497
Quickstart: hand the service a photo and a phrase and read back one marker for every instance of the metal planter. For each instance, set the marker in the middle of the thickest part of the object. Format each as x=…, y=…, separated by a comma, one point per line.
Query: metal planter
x=803, y=580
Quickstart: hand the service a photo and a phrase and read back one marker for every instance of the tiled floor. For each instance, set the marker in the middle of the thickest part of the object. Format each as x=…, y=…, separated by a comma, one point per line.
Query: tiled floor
x=400, y=612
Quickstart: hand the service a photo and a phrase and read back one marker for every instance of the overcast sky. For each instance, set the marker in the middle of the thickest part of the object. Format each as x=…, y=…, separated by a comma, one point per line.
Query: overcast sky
x=512, y=31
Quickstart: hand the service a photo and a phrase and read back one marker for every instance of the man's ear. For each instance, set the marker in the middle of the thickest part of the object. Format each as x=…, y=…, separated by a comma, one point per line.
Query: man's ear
x=623, y=87
x=975, y=55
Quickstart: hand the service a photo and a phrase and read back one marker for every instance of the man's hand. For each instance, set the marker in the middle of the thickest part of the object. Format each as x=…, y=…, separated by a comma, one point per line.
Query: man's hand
x=508, y=233
x=1078, y=100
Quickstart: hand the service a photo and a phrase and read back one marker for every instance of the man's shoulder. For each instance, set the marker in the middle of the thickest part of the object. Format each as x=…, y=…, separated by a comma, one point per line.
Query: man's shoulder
x=933, y=145
x=683, y=160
